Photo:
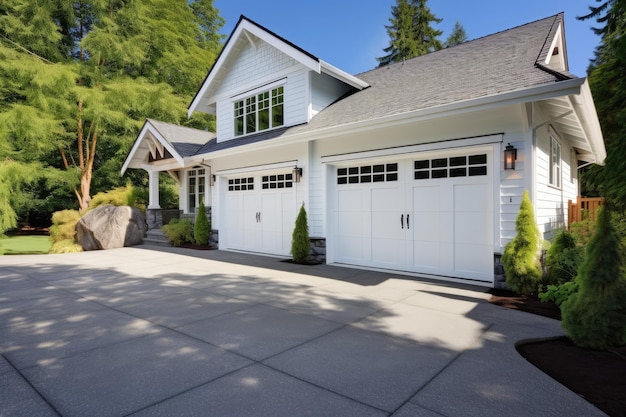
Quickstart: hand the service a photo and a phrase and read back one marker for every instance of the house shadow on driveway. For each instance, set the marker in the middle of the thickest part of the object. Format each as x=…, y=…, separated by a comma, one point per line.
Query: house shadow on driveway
x=137, y=331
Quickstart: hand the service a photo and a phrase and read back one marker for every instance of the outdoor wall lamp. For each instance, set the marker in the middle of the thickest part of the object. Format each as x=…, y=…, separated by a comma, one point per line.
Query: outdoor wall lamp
x=297, y=174
x=212, y=180
x=510, y=156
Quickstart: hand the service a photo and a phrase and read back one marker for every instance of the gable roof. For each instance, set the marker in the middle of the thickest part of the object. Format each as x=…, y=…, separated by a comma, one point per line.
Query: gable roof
x=159, y=139
x=511, y=66
x=247, y=31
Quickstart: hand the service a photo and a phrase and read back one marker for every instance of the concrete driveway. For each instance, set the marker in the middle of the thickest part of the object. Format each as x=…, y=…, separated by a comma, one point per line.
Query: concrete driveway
x=150, y=331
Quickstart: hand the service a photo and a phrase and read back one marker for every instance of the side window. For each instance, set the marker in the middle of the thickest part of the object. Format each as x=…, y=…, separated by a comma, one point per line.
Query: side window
x=555, y=163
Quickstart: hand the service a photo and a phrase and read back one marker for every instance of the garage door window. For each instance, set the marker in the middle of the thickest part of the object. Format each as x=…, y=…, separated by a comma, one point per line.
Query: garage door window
x=368, y=173
x=457, y=166
x=241, y=184
x=270, y=182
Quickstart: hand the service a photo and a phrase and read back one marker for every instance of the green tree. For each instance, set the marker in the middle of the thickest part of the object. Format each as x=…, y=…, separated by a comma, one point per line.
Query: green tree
x=410, y=32
x=520, y=258
x=457, y=36
x=608, y=84
x=300, y=241
x=202, y=227
x=595, y=316
x=78, y=79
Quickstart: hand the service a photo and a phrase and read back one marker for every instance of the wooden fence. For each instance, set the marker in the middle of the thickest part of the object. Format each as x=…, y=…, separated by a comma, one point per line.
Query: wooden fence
x=583, y=208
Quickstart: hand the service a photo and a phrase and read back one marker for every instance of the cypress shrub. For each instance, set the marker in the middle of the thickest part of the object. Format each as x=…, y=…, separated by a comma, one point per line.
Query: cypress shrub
x=595, y=316
x=521, y=255
x=202, y=227
x=300, y=241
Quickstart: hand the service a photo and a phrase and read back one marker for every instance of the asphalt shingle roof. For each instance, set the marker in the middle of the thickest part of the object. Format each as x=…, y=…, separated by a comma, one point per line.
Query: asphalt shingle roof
x=495, y=64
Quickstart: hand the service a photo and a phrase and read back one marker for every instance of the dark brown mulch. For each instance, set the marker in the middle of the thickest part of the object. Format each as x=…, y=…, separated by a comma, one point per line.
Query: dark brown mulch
x=597, y=376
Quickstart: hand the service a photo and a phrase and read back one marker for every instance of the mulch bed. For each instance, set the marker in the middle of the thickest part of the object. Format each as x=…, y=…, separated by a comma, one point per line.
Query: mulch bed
x=597, y=376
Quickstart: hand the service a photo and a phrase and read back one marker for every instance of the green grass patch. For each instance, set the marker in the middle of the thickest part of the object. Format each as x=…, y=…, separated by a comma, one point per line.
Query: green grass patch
x=25, y=245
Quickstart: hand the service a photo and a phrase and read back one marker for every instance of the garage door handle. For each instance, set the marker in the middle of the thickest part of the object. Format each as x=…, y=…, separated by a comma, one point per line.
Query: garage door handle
x=402, y=220
x=407, y=222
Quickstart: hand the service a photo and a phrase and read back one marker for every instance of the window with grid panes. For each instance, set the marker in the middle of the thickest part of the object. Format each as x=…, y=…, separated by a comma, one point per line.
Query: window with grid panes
x=259, y=112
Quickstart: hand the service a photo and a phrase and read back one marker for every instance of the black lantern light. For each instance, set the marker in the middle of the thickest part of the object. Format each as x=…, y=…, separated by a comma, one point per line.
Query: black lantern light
x=510, y=156
x=297, y=174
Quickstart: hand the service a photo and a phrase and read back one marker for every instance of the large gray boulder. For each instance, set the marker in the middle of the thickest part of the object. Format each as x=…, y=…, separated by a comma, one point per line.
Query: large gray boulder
x=108, y=227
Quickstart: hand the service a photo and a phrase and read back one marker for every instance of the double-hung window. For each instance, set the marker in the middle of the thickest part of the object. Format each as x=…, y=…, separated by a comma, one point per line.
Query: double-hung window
x=259, y=112
x=555, y=163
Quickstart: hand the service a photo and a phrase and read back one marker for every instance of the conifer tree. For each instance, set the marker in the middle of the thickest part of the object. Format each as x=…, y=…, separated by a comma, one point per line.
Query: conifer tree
x=520, y=257
x=300, y=241
x=201, y=228
x=457, y=36
x=410, y=32
x=595, y=316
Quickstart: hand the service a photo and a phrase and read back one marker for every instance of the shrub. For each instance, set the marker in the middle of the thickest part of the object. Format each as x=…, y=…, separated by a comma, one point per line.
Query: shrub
x=63, y=231
x=595, y=316
x=300, y=242
x=583, y=231
x=563, y=259
x=65, y=246
x=202, y=227
x=64, y=225
x=521, y=255
x=559, y=293
x=179, y=231
x=120, y=196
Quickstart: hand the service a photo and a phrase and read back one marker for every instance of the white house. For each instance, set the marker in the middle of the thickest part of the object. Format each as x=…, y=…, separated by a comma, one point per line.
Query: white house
x=401, y=167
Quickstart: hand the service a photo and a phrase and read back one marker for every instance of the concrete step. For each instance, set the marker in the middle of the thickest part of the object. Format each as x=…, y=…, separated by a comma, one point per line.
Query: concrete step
x=156, y=237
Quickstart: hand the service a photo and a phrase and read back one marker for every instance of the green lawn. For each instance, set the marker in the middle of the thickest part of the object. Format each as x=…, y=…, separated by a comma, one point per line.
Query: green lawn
x=23, y=245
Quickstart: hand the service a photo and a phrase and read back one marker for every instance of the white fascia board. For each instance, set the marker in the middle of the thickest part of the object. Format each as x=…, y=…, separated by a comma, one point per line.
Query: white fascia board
x=134, y=149
x=244, y=28
x=343, y=76
x=587, y=114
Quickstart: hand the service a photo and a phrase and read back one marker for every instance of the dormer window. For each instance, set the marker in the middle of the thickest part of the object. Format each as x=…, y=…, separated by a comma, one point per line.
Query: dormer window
x=261, y=111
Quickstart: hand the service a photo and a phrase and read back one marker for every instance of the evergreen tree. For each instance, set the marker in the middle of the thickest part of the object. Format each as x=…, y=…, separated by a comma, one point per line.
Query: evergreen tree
x=457, y=36
x=608, y=84
x=201, y=228
x=300, y=241
x=410, y=32
x=595, y=316
x=520, y=258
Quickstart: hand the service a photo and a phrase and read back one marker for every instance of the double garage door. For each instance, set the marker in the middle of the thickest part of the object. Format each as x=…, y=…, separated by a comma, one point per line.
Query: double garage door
x=431, y=215
x=260, y=213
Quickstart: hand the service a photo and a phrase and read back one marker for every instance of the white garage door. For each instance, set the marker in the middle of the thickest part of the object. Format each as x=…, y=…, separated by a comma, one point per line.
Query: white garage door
x=430, y=215
x=260, y=213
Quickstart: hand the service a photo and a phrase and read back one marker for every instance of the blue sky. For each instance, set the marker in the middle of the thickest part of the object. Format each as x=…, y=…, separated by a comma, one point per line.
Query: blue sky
x=350, y=34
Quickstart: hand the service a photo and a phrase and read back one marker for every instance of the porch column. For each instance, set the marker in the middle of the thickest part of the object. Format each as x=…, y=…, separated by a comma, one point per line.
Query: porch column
x=153, y=187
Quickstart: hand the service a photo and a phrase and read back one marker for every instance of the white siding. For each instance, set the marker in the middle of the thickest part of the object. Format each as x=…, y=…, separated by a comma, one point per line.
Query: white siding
x=324, y=91
x=249, y=71
x=551, y=205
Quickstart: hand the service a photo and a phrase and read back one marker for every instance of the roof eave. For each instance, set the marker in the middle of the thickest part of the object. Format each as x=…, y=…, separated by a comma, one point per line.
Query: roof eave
x=149, y=129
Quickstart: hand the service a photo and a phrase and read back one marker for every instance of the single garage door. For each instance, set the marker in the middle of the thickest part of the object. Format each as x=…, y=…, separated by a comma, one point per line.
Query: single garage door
x=260, y=213
x=429, y=215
